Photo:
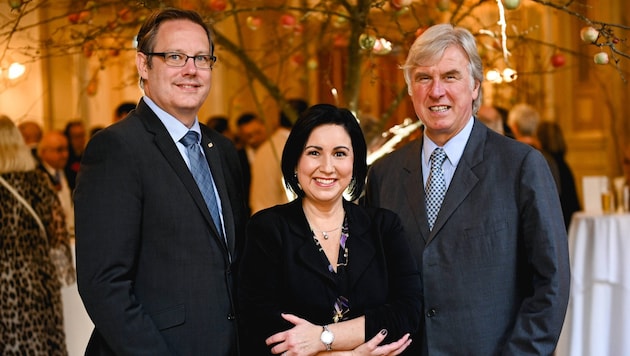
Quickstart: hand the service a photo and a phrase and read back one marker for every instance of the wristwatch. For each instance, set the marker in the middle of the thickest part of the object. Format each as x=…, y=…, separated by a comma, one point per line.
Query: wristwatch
x=327, y=338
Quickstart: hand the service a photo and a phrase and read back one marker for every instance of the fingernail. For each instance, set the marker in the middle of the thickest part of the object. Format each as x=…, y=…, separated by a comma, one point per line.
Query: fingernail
x=384, y=332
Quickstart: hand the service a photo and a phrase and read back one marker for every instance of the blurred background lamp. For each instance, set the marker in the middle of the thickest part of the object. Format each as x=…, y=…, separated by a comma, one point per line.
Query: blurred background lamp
x=509, y=75
x=16, y=70
x=494, y=76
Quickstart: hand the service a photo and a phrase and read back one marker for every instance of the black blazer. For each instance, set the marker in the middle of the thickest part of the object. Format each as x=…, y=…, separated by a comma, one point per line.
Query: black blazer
x=282, y=271
x=153, y=273
x=495, y=267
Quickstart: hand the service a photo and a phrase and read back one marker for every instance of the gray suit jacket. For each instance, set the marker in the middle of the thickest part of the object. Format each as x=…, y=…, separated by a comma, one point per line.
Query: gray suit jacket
x=495, y=267
x=153, y=273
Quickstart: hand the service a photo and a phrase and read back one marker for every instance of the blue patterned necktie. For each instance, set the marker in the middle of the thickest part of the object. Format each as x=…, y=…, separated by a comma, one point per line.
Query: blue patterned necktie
x=436, y=185
x=201, y=172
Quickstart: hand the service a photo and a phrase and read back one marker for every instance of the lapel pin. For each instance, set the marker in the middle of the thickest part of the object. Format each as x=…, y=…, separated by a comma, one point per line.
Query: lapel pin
x=210, y=144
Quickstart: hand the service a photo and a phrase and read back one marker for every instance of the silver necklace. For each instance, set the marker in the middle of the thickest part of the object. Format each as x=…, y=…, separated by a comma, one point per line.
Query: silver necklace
x=325, y=233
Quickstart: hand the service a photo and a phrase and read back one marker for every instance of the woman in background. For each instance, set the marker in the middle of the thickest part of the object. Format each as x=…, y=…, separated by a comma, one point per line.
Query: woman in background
x=552, y=141
x=321, y=275
x=31, y=314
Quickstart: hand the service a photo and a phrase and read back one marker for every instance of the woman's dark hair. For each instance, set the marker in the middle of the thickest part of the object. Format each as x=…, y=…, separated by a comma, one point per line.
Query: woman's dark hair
x=313, y=117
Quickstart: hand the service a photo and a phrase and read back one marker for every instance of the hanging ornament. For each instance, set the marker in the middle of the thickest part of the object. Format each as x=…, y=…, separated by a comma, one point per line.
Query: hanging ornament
x=558, y=60
x=366, y=41
x=125, y=15
x=253, y=22
x=443, y=5
x=287, y=21
x=15, y=4
x=420, y=30
x=88, y=48
x=312, y=64
x=339, y=21
x=511, y=4
x=588, y=34
x=73, y=18
x=382, y=47
x=601, y=58
x=297, y=59
x=399, y=4
x=92, y=87
x=217, y=5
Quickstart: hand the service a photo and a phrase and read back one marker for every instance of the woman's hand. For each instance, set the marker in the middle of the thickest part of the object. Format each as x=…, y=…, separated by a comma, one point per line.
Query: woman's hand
x=372, y=348
x=300, y=340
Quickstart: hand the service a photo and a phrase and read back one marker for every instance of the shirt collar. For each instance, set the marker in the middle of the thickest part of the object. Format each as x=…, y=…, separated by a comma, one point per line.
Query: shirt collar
x=454, y=147
x=175, y=128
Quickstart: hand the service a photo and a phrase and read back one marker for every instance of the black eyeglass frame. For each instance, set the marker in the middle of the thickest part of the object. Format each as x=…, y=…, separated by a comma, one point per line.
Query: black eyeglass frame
x=164, y=55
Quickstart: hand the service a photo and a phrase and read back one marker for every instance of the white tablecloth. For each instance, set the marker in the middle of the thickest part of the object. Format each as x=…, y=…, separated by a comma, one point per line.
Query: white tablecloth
x=598, y=318
x=77, y=323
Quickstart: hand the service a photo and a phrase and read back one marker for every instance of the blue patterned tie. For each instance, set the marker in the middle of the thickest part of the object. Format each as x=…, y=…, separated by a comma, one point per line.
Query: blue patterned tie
x=201, y=172
x=436, y=185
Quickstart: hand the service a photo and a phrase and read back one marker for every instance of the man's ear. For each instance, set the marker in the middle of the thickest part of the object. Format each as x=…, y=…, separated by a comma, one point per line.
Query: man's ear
x=142, y=63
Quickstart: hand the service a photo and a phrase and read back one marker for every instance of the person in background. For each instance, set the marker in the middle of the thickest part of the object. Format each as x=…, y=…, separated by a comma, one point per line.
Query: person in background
x=222, y=125
x=159, y=208
x=552, y=141
x=32, y=134
x=123, y=110
x=252, y=131
x=267, y=187
x=524, y=120
x=507, y=130
x=321, y=273
x=491, y=117
x=490, y=243
x=53, y=156
x=77, y=136
x=31, y=314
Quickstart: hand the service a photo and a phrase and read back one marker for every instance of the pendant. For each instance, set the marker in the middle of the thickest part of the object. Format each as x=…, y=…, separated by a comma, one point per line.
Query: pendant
x=325, y=234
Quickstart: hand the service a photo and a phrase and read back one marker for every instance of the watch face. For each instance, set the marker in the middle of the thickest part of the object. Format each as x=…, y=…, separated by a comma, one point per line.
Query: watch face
x=327, y=337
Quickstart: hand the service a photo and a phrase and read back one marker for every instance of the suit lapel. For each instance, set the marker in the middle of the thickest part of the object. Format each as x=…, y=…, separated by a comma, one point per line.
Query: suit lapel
x=464, y=179
x=360, y=250
x=416, y=197
x=213, y=156
x=165, y=144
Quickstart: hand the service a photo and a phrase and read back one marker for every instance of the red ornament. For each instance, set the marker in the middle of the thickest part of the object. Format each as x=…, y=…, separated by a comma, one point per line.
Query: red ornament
x=287, y=21
x=125, y=15
x=73, y=18
x=297, y=59
x=253, y=22
x=217, y=5
x=420, y=30
x=558, y=60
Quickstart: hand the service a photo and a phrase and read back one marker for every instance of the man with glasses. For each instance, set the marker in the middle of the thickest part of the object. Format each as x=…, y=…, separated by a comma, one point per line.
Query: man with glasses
x=160, y=208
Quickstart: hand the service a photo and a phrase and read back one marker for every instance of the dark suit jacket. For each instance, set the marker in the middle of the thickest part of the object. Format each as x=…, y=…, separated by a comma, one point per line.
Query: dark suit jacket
x=282, y=271
x=495, y=266
x=153, y=273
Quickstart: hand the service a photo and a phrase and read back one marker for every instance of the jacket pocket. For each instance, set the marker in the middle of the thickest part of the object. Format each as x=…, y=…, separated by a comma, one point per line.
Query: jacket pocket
x=170, y=317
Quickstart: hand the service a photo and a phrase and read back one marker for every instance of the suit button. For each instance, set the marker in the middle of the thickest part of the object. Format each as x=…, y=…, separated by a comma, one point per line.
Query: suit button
x=431, y=312
x=231, y=316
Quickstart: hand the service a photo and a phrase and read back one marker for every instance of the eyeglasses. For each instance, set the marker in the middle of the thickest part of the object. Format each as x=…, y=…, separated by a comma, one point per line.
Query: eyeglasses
x=176, y=59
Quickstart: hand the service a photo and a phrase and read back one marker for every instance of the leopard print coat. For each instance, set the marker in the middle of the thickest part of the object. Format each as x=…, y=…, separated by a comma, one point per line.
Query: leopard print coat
x=31, y=314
